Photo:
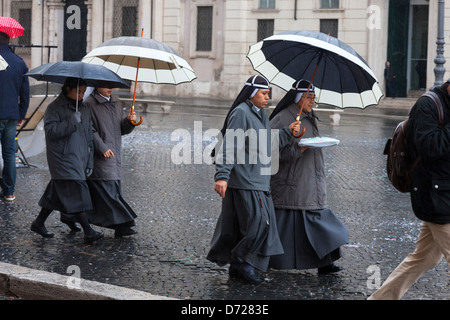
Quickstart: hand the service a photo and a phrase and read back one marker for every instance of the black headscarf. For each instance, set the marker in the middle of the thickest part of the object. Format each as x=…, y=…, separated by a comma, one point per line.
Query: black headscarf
x=300, y=86
x=253, y=83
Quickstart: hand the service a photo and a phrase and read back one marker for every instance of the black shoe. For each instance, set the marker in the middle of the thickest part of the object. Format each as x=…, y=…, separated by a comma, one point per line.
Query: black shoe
x=89, y=238
x=233, y=272
x=123, y=232
x=332, y=268
x=249, y=275
x=41, y=230
x=73, y=227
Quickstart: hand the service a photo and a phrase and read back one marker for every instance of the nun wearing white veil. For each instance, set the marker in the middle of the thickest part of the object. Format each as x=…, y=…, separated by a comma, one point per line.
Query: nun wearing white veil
x=310, y=233
x=246, y=233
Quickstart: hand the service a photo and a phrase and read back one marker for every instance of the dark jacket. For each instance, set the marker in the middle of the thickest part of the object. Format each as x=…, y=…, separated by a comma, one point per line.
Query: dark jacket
x=300, y=182
x=69, y=144
x=14, y=86
x=109, y=124
x=250, y=167
x=430, y=190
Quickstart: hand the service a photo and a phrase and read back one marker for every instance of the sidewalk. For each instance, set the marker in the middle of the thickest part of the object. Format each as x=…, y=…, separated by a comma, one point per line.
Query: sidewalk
x=177, y=210
x=29, y=284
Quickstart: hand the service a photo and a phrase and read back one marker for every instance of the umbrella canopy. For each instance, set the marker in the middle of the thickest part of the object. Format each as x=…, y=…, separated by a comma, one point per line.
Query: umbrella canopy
x=159, y=63
x=340, y=75
x=94, y=75
x=11, y=27
x=3, y=64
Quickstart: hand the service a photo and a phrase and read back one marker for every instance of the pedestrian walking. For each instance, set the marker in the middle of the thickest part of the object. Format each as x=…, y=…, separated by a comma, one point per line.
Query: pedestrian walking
x=430, y=194
x=68, y=138
x=14, y=102
x=310, y=233
x=246, y=234
x=110, y=122
x=390, y=77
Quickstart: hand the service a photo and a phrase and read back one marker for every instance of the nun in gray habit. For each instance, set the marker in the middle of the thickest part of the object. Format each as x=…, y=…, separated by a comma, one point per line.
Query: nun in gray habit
x=310, y=233
x=246, y=233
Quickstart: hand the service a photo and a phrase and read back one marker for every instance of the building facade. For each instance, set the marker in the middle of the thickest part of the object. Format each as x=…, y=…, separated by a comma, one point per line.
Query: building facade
x=214, y=35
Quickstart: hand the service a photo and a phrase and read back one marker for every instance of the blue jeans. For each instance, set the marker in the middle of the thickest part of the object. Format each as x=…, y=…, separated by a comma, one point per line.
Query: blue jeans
x=8, y=142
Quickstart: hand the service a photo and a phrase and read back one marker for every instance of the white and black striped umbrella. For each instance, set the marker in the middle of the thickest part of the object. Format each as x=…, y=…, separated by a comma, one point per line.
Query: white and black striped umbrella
x=159, y=63
x=341, y=76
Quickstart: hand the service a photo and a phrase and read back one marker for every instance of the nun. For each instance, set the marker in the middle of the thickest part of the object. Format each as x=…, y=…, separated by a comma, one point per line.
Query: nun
x=310, y=233
x=110, y=122
x=246, y=234
x=69, y=145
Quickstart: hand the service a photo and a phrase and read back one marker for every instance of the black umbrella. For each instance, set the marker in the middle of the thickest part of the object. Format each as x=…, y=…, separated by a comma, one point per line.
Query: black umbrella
x=341, y=76
x=93, y=75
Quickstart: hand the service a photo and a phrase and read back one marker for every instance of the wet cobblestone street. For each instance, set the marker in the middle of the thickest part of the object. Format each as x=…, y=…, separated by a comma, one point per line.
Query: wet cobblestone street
x=177, y=211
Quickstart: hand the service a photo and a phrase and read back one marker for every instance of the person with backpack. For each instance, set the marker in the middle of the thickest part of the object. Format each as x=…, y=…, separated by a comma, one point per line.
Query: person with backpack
x=430, y=193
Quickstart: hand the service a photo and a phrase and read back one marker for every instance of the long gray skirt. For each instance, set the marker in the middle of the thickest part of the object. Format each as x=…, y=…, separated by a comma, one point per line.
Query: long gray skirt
x=310, y=238
x=70, y=196
x=246, y=230
x=110, y=209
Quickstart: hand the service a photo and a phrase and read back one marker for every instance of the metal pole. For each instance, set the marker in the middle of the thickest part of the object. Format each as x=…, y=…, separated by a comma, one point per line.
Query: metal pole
x=439, y=70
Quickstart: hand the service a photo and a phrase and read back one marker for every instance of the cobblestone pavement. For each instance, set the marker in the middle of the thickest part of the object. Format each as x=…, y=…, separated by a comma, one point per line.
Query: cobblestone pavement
x=177, y=210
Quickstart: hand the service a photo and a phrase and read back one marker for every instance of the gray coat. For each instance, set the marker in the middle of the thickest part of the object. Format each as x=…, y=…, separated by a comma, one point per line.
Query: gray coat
x=69, y=144
x=299, y=183
x=246, y=163
x=109, y=124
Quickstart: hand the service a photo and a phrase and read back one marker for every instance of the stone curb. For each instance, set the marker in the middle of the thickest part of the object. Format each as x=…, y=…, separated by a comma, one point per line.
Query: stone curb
x=30, y=284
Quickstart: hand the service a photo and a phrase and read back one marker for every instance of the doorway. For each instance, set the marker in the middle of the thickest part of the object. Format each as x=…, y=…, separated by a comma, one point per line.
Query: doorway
x=417, y=47
x=407, y=44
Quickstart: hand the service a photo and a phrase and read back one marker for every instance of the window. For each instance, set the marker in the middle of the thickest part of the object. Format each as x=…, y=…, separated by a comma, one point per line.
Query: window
x=129, y=18
x=329, y=26
x=125, y=19
x=21, y=11
x=329, y=4
x=266, y=4
x=204, y=28
x=265, y=28
x=25, y=21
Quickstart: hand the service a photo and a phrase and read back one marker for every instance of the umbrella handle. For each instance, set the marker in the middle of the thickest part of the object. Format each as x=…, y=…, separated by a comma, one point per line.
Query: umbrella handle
x=301, y=133
x=133, y=122
x=307, y=91
x=137, y=123
x=135, y=84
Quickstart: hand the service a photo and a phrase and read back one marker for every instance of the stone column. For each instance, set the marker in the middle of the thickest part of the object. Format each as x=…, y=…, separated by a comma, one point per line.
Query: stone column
x=439, y=70
x=55, y=29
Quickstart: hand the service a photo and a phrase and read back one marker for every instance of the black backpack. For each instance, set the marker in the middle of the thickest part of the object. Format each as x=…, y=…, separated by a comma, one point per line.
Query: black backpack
x=400, y=163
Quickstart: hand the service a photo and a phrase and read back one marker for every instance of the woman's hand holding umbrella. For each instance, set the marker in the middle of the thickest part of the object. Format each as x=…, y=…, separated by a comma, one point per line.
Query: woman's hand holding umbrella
x=295, y=128
x=132, y=116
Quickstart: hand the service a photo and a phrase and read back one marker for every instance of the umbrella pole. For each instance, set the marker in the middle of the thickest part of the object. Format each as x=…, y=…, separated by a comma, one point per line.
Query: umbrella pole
x=135, y=85
x=307, y=92
x=78, y=89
